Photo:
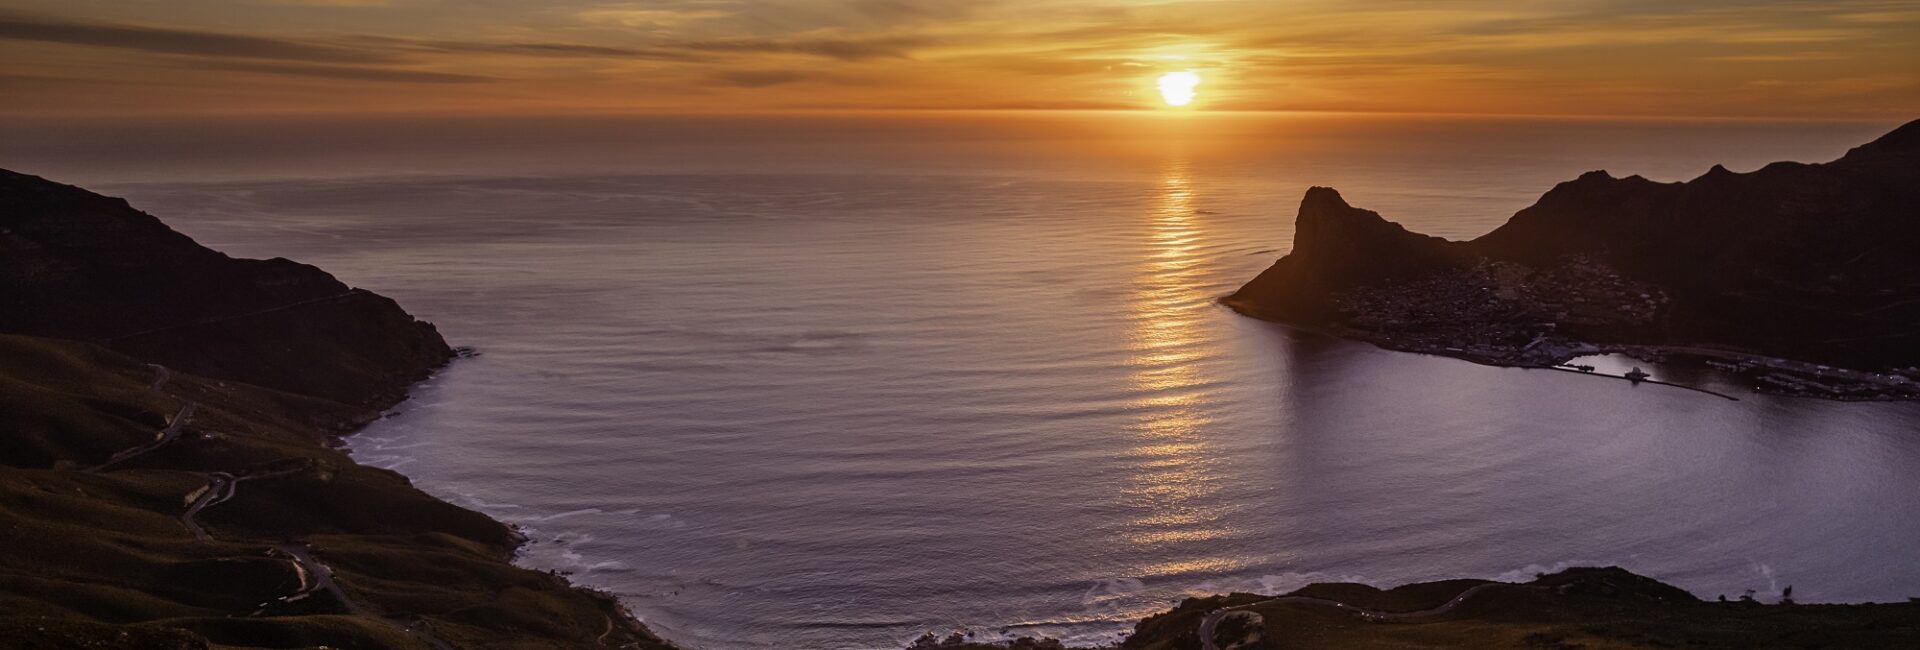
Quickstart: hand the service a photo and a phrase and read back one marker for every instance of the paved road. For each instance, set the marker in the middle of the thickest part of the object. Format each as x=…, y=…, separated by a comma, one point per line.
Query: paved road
x=221, y=487
x=314, y=575
x=317, y=577
x=160, y=376
x=165, y=436
x=1210, y=625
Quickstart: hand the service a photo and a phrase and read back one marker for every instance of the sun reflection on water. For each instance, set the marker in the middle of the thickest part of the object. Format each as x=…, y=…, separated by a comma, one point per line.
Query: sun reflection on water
x=1171, y=458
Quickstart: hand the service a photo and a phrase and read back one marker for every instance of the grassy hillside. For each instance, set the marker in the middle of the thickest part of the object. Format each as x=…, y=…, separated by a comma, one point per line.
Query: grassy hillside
x=102, y=554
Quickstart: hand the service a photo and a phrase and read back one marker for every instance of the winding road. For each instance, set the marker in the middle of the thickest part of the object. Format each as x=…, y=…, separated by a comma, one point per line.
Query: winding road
x=316, y=577
x=165, y=436
x=1210, y=625
x=160, y=375
x=221, y=487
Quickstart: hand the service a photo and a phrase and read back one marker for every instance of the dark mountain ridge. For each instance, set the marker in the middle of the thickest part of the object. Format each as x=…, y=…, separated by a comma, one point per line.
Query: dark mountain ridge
x=168, y=477
x=77, y=265
x=1804, y=261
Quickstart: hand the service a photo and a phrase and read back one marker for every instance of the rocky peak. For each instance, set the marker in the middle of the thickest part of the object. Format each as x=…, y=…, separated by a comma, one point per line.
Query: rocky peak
x=1717, y=173
x=1325, y=221
x=1335, y=247
x=1331, y=232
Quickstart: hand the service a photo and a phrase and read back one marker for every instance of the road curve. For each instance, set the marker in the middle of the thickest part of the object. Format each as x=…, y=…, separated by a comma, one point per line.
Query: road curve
x=220, y=487
x=319, y=578
x=161, y=375
x=1209, y=625
x=165, y=436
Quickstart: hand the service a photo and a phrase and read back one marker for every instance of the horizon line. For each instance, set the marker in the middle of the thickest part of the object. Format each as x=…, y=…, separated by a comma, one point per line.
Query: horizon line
x=604, y=112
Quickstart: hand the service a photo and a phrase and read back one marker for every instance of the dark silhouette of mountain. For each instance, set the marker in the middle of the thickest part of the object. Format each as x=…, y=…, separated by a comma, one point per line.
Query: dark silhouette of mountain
x=1805, y=261
x=1339, y=248
x=77, y=265
x=168, y=477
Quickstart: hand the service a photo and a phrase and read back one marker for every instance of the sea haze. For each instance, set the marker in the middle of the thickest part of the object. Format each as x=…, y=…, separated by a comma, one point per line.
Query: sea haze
x=835, y=381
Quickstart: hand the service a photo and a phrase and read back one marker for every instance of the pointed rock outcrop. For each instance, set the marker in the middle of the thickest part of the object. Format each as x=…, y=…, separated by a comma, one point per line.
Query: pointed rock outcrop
x=1337, y=248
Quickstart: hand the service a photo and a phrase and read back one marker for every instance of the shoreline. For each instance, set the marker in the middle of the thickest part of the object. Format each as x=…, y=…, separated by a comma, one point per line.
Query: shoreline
x=1570, y=608
x=344, y=442
x=1866, y=386
x=175, y=470
x=259, y=527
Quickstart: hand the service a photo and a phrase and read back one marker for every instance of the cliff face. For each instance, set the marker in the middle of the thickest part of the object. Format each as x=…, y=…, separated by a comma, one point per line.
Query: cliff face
x=77, y=265
x=1339, y=248
x=1811, y=261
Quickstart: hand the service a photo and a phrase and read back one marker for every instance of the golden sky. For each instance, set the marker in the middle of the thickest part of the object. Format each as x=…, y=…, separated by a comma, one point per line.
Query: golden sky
x=1798, y=58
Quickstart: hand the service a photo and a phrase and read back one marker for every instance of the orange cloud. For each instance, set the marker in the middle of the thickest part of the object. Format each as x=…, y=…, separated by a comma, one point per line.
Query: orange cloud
x=1853, y=58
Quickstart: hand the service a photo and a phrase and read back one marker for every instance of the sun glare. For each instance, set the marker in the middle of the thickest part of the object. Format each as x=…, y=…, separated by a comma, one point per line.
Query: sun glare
x=1177, y=88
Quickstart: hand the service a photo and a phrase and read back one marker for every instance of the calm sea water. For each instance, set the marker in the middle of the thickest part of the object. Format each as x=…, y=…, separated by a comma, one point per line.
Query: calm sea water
x=834, y=382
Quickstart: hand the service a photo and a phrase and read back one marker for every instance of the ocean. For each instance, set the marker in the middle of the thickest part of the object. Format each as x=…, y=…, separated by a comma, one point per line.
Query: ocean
x=837, y=380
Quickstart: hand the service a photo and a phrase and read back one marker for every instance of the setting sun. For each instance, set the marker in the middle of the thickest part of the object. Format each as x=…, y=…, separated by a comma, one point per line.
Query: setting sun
x=1177, y=88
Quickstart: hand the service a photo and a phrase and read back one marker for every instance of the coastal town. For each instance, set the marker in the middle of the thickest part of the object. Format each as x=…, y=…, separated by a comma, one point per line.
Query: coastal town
x=1507, y=314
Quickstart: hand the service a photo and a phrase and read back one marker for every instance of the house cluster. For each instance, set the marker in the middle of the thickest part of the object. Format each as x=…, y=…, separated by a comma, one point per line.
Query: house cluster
x=1502, y=312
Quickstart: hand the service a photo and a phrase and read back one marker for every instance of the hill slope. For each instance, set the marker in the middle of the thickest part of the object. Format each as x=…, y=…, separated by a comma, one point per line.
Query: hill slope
x=167, y=472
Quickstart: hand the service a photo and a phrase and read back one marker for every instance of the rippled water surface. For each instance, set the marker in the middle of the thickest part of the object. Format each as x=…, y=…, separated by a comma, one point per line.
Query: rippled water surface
x=834, y=382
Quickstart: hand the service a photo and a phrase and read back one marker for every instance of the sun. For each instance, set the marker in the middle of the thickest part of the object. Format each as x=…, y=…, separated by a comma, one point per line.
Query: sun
x=1177, y=87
